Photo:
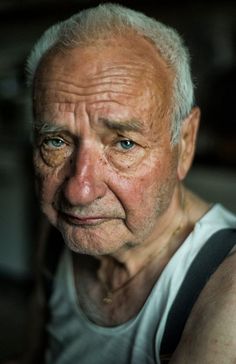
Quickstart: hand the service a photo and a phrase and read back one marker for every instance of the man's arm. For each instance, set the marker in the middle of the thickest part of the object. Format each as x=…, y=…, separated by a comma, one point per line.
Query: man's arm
x=210, y=333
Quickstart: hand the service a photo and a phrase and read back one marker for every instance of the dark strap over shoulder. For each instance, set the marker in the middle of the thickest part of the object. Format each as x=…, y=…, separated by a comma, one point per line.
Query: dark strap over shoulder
x=204, y=265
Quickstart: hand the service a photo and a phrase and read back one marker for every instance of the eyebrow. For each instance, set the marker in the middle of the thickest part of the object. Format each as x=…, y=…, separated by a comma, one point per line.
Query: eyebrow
x=122, y=126
x=45, y=127
x=129, y=125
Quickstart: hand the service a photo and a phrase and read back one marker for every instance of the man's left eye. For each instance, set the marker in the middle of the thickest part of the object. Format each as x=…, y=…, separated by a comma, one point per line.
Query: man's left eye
x=126, y=144
x=54, y=142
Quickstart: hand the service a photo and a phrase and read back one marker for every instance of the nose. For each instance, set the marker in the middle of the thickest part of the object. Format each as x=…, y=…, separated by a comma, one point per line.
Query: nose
x=85, y=182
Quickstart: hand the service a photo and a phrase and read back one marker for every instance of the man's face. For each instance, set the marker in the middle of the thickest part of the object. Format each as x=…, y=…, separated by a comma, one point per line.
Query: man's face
x=104, y=163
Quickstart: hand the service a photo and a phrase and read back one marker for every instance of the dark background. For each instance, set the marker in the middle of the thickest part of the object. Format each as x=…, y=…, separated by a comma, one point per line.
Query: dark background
x=209, y=31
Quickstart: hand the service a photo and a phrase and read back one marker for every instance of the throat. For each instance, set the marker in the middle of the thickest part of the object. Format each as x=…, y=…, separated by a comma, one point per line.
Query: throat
x=109, y=304
x=113, y=277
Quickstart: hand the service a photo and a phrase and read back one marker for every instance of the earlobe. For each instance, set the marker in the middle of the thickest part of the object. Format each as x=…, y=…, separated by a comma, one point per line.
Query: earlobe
x=188, y=142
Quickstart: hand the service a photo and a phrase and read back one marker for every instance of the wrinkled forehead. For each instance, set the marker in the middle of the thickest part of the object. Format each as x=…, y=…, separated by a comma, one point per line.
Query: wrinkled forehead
x=132, y=57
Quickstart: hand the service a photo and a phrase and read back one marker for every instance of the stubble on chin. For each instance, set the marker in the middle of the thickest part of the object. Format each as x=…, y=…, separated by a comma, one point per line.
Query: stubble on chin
x=93, y=240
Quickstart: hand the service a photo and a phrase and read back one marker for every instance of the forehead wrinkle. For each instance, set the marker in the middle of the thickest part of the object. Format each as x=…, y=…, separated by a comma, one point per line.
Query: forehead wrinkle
x=82, y=90
x=102, y=79
x=106, y=91
x=126, y=76
x=116, y=74
x=119, y=80
x=90, y=98
x=127, y=69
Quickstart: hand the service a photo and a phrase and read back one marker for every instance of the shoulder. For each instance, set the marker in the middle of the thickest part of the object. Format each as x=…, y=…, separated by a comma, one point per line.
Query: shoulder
x=210, y=332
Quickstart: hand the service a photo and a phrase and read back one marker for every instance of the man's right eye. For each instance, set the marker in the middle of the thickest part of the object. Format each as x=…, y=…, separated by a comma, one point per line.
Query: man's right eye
x=54, y=143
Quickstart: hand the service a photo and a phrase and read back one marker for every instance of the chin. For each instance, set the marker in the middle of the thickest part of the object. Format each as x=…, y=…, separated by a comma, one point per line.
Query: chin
x=91, y=241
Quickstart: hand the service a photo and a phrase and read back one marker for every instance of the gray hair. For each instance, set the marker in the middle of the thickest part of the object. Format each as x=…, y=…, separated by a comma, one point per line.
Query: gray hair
x=111, y=19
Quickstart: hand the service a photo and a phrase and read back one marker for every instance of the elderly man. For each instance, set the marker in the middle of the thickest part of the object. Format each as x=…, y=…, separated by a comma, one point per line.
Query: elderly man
x=115, y=132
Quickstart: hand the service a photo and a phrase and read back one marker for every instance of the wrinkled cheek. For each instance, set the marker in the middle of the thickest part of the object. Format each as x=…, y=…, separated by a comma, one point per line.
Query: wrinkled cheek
x=145, y=198
x=46, y=190
x=138, y=198
x=142, y=190
x=47, y=182
x=41, y=176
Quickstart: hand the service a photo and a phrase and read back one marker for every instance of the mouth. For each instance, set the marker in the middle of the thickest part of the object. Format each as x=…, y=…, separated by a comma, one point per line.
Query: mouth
x=84, y=220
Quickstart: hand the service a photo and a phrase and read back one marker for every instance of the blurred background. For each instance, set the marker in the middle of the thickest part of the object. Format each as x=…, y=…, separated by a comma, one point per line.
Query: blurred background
x=210, y=33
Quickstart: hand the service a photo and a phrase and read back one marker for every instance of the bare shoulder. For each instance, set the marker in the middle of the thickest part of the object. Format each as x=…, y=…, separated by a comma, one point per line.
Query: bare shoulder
x=210, y=332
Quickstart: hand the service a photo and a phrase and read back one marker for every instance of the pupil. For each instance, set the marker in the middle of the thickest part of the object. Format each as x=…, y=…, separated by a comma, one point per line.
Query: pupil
x=56, y=142
x=126, y=144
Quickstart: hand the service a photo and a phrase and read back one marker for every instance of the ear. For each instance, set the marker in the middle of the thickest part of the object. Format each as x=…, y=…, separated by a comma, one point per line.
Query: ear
x=187, y=142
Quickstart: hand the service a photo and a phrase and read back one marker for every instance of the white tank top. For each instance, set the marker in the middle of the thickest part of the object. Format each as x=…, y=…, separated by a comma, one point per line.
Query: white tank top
x=73, y=339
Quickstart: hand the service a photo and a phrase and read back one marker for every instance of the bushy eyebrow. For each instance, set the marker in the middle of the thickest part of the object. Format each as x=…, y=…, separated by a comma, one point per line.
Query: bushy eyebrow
x=129, y=125
x=120, y=126
x=45, y=127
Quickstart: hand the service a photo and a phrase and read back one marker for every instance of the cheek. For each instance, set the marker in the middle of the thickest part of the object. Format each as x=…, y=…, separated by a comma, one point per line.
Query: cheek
x=48, y=179
x=142, y=190
x=133, y=191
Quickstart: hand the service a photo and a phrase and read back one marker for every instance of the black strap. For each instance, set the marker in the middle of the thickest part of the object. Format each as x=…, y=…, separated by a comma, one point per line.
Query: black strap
x=204, y=265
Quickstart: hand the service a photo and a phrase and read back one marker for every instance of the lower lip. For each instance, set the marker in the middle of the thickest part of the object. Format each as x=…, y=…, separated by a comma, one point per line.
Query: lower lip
x=84, y=221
